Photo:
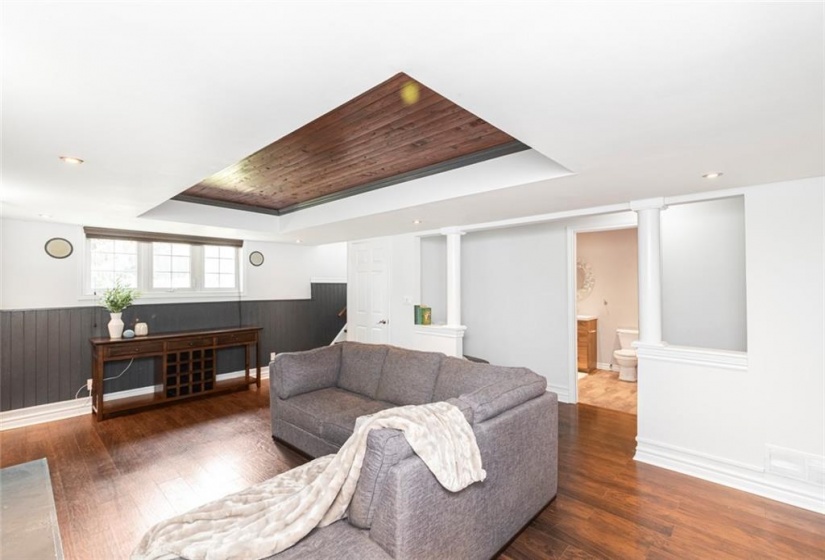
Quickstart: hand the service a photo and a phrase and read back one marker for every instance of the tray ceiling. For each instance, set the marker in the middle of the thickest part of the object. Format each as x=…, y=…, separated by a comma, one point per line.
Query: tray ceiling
x=397, y=131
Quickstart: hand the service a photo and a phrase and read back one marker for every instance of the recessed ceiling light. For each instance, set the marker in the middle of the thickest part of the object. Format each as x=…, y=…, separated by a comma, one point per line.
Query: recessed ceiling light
x=297, y=241
x=713, y=175
x=416, y=222
x=46, y=216
x=70, y=159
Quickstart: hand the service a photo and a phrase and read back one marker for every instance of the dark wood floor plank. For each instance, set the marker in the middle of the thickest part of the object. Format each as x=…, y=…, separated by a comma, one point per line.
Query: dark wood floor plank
x=113, y=480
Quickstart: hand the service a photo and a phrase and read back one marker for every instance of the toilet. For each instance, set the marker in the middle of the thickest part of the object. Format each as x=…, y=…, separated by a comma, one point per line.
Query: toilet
x=626, y=356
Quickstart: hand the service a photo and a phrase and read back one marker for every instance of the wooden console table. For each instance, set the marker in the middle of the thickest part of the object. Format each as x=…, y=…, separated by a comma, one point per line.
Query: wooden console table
x=185, y=362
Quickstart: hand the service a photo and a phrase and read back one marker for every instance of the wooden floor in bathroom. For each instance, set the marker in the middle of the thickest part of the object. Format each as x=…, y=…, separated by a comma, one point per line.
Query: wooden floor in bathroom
x=603, y=389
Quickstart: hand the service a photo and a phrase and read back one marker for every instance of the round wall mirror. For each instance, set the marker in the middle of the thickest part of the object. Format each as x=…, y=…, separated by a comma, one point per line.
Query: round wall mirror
x=256, y=258
x=58, y=248
x=584, y=280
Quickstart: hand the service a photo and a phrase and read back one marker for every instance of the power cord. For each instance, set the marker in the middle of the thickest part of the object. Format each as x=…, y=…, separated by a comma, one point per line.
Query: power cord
x=77, y=395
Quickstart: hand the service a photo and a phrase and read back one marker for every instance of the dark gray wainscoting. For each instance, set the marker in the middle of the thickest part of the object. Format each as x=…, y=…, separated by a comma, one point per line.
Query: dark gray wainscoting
x=45, y=355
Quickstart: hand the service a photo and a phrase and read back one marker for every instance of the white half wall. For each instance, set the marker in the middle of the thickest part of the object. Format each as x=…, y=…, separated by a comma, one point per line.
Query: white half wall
x=759, y=425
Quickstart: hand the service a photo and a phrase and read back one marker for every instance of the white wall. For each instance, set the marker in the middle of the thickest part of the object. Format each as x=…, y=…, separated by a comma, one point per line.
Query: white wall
x=612, y=256
x=514, y=298
x=703, y=274
x=30, y=279
x=434, y=276
x=288, y=269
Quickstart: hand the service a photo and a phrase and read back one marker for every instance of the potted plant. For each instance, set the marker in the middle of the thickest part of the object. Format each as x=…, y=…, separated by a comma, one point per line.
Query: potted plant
x=116, y=299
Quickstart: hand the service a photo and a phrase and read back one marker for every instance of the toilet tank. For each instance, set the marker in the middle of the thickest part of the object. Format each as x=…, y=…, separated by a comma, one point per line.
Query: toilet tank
x=626, y=337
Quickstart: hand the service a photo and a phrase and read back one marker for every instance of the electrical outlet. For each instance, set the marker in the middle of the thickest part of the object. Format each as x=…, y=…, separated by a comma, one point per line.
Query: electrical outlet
x=89, y=385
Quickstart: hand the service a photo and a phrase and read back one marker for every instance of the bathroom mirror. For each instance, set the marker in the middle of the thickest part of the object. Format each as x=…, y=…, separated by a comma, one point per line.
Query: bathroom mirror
x=584, y=280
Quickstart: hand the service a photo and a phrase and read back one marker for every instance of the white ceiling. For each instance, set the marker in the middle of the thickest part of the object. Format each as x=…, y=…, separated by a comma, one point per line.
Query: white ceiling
x=632, y=100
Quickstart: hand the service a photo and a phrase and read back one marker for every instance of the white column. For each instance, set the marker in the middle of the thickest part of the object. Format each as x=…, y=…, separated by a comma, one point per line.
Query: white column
x=453, y=275
x=650, y=269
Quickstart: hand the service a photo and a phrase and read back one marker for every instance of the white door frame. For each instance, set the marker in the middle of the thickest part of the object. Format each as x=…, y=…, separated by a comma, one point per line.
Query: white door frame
x=594, y=224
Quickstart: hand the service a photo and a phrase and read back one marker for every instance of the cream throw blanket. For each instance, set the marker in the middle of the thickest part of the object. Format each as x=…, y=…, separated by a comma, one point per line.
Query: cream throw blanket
x=274, y=515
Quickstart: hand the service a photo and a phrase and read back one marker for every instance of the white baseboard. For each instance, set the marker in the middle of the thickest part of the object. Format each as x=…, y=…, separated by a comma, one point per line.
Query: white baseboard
x=562, y=392
x=31, y=415
x=734, y=475
x=606, y=367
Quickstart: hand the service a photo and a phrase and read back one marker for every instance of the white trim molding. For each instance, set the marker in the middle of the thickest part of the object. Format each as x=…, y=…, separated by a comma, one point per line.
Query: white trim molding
x=32, y=415
x=723, y=359
x=749, y=478
x=327, y=280
x=562, y=392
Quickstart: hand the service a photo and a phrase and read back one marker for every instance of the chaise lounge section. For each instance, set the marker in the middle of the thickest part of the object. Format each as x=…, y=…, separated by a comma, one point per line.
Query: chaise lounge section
x=399, y=510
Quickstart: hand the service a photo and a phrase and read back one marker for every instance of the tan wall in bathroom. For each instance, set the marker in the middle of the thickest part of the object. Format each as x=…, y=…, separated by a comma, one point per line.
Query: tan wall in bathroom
x=612, y=256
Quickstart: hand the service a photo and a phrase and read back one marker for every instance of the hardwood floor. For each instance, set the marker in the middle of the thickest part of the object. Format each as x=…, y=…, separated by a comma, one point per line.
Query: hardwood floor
x=602, y=388
x=113, y=480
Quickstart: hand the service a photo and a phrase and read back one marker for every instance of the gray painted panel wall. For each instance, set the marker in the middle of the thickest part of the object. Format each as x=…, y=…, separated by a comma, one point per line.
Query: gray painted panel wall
x=45, y=355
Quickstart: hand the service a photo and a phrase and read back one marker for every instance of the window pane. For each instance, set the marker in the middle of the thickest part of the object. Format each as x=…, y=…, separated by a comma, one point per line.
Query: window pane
x=162, y=248
x=161, y=264
x=161, y=280
x=126, y=263
x=180, y=264
x=180, y=249
x=227, y=267
x=125, y=246
x=129, y=279
x=111, y=260
x=211, y=281
x=227, y=281
x=102, y=245
x=211, y=251
x=211, y=266
x=228, y=252
x=180, y=280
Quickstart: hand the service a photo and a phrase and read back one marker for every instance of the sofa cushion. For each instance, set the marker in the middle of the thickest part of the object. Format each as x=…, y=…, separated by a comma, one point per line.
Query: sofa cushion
x=458, y=377
x=301, y=372
x=494, y=399
x=329, y=413
x=385, y=448
x=361, y=367
x=409, y=376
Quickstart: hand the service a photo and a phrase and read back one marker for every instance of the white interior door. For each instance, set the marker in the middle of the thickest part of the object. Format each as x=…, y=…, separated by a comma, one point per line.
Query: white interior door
x=368, y=293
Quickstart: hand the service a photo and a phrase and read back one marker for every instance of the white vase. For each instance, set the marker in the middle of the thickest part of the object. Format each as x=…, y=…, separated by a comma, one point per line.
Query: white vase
x=141, y=329
x=116, y=326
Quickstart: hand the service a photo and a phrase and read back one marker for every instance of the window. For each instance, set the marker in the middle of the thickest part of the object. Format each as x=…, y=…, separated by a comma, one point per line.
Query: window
x=113, y=259
x=172, y=265
x=219, y=266
x=160, y=263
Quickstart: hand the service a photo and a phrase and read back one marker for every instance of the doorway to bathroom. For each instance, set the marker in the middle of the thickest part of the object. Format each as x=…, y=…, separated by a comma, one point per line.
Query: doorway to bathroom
x=607, y=318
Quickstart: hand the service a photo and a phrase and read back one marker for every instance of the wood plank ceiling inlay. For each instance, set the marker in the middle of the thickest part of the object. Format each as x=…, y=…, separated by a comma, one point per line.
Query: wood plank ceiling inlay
x=397, y=131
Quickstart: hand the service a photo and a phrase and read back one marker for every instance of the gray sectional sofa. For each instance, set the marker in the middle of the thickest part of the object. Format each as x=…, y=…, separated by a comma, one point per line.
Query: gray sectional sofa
x=399, y=510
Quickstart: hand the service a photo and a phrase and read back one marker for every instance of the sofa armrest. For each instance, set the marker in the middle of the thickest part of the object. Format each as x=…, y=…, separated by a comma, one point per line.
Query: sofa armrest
x=294, y=373
x=418, y=518
x=493, y=399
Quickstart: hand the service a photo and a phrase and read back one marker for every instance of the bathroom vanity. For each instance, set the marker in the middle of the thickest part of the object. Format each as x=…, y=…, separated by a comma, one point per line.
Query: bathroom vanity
x=587, y=343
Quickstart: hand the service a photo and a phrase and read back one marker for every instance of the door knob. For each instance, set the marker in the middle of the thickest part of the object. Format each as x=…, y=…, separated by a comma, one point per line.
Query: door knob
x=382, y=322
